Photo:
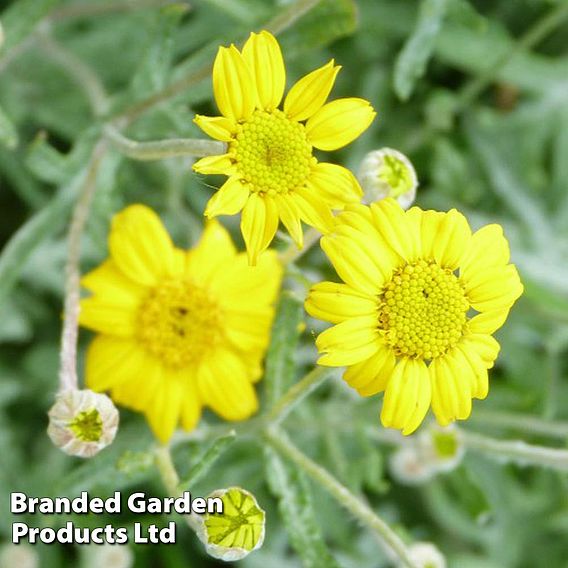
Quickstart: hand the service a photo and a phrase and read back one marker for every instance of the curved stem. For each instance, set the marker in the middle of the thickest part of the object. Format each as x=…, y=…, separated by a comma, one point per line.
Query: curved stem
x=68, y=354
x=517, y=451
x=78, y=71
x=298, y=392
x=340, y=493
x=522, y=422
x=170, y=478
x=162, y=149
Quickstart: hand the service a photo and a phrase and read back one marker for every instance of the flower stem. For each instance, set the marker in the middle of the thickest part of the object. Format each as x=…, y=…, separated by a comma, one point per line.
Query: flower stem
x=162, y=149
x=517, y=451
x=289, y=16
x=78, y=71
x=340, y=493
x=292, y=253
x=522, y=422
x=298, y=392
x=170, y=478
x=68, y=355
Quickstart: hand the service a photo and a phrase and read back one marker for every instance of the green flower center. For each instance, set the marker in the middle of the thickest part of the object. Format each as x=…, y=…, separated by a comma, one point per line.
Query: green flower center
x=396, y=174
x=272, y=153
x=87, y=426
x=423, y=310
x=178, y=323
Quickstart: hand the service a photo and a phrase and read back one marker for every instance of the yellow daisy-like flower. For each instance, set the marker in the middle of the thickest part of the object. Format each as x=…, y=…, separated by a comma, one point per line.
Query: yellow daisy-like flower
x=178, y=329
x=273, y=174
x=421, y=298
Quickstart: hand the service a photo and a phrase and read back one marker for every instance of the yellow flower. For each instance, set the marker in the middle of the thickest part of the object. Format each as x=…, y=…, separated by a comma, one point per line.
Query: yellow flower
x=273, y=174
x=421, y=298
x=178, y=330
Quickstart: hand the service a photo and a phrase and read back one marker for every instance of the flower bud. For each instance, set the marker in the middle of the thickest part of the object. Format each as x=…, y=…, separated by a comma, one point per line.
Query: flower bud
x=1, y=35
x=82, y=422
x=20, y=556
x=442, y=447
x=238, y=530
x=426, y=555
x=388, y=173
x=407, y=466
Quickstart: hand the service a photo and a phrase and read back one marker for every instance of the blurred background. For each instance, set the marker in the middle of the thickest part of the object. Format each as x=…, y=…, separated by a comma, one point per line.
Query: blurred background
x=474, y=92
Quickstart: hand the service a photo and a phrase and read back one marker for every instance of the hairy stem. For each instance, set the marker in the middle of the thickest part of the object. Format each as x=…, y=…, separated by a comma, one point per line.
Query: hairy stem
x=298, y=392
x=170, y=478
x=522, y=422
x=340, y=493
x=68, y=355
x=78, y=71
x=162, y=149
x=517, y=451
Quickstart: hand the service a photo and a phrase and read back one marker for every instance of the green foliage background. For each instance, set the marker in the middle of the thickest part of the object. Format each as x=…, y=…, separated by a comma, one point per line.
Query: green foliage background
x=475, y=93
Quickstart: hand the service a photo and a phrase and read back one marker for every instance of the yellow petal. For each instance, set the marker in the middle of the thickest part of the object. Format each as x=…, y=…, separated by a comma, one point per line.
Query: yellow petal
x=108, y=282
x=351, y=341
x=233, y=84
x=309, y=94
x=105, y=316
x=258, y=225
x=494, y=288
x=429, y=222
x=352, y=264
x=210, y=165
x=335, y=184
x=264, y=58
x=338, y=302
x=470, y=356
x=488, y=322
x=372, y=375
x=339, y=122
x=248, y=329
x=488, y=248
x=452, y=239
x=451, y=389
x=486, y=346
x=248, y=287
x=313, y=210
x=190, y=411
x=164, y=413
x=111, y=361
x=224, y=387
x=407, y=396
x=218, y=127
x=398, y=229
x=290, y=217
x=136, y=394
x=379, y=255
x=140, y=246
x=214, y=251
x=230, y=198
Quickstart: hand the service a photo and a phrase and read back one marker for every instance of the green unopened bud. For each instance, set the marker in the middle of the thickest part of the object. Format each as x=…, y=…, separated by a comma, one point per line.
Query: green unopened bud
x=442, y=447
x=388, y=173
x=238, y=530
x=82, y=422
